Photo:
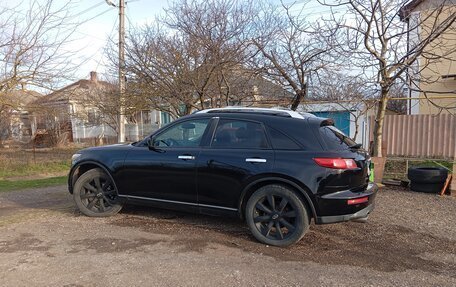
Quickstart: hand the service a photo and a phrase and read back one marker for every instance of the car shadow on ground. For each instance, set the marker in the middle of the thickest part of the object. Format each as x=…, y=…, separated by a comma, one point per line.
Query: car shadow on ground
x=377, y=244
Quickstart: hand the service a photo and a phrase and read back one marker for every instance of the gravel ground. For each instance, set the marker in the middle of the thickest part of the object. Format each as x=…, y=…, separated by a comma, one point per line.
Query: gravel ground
x=410, y=240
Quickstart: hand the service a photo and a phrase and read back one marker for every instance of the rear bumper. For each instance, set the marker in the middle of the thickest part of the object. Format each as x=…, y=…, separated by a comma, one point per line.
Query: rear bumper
x=347, y=217
x=336, y=208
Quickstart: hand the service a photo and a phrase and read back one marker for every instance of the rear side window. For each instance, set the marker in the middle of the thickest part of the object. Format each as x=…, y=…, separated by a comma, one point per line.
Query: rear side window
x=335, y=139
x=239, y=134
x=281, y=141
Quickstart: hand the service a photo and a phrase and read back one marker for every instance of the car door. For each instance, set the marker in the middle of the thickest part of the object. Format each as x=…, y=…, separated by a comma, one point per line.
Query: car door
x=167, y=173
x=238, y=153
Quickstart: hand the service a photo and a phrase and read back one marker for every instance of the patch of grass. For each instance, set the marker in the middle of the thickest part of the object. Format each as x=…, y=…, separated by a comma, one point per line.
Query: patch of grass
x=16, y=163
x=34, y=169
x=397, y=168
x=430, y=163
x=9, y=185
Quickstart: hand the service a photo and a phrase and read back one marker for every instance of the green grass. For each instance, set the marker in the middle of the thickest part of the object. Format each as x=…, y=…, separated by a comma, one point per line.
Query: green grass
x=23, y=169
x=9, y=185
x=397, y=168
x=21, y=164
x=31, y=169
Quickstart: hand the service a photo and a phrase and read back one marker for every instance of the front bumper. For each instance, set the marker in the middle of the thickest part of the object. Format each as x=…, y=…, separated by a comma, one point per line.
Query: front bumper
x=334, y=207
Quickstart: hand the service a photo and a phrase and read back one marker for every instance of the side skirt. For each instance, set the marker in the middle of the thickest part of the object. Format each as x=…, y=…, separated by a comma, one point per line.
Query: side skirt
x=182, y=206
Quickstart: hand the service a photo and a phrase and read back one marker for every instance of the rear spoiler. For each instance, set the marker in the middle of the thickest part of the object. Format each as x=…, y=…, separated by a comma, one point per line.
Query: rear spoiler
x=327, y=122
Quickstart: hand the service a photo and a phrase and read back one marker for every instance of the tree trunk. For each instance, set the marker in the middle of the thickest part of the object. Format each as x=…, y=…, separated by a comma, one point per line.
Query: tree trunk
x=188, y=109
x=356, y=128
x=378, y=127
x=297, y=100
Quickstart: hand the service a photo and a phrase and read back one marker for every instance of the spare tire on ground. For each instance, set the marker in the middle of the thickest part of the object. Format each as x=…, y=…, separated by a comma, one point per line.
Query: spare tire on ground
x=427, y=179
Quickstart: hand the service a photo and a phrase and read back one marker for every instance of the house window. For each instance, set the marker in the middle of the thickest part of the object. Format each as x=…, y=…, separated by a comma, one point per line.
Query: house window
x=93, y=118
x=146, y=117
x=165, y=118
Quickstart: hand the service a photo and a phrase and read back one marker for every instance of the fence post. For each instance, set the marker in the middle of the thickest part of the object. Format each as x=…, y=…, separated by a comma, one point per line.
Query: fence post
x=406, y=167
x=453, y=181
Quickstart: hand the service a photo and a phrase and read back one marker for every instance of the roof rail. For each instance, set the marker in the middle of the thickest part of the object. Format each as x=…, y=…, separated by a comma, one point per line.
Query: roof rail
x=266, y=111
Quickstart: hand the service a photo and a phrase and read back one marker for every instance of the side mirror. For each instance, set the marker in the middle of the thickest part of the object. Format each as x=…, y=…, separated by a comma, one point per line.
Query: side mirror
x=151, y=144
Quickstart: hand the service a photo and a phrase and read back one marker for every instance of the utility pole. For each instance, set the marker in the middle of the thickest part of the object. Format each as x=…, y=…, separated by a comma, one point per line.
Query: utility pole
x=121, y=134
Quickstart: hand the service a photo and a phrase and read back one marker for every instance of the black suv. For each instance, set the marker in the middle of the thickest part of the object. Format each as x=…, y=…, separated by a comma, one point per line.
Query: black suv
x=277, y=169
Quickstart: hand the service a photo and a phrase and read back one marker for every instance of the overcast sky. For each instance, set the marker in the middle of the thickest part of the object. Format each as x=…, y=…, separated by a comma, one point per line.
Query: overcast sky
x=100, y=21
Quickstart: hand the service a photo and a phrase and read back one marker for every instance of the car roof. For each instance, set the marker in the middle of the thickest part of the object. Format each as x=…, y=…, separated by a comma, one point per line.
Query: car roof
x=259, y=111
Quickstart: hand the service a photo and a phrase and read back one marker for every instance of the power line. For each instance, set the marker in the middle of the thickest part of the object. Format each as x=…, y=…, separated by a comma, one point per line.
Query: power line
x=88, y=9
x=102, y=13
x=109, y=36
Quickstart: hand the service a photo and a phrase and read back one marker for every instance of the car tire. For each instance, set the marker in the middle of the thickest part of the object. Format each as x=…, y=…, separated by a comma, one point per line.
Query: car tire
x=95, y=194
x=427, y=174
x=276, y=216
x=426, y=187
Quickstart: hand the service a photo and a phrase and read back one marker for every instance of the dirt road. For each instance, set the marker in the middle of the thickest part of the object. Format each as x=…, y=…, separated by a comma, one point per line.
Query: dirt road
x=410, y=240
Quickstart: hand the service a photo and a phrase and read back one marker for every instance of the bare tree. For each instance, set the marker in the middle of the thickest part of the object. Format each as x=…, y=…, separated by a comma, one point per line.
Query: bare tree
x=193, y=58
x=398, y=98
x=32, y=54
x=377, y=39
x=31, y=44
x=101, y=105
x=291, y=49
x=5, y=122
x=221, y=31
x=161, y=68
x=349, y=93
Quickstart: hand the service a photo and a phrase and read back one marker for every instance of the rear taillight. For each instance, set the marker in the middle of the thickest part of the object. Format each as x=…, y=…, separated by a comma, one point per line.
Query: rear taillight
x=357, y=200
x=337, y=163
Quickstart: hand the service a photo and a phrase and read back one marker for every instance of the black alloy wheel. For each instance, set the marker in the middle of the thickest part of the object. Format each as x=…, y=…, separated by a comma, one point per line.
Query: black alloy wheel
x=276, y=216
x=95, y=194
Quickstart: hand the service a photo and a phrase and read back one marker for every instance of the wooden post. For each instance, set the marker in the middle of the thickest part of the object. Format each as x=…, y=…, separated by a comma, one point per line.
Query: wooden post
x=453, y=181
x=406, y=167
x=447, y=182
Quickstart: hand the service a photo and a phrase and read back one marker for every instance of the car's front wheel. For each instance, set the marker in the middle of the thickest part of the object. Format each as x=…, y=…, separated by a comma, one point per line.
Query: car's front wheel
x=276, y=216
x=95, y=195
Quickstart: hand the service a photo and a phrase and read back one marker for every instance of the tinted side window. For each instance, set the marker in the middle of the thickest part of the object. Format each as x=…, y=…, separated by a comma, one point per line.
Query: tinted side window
x=184, y=134
x=281, y=141
x=239, y=134
x=298, y=130
x=335, y=139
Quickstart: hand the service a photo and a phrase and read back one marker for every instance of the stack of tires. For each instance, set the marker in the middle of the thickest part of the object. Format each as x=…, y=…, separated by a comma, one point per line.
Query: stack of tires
x=427, y=179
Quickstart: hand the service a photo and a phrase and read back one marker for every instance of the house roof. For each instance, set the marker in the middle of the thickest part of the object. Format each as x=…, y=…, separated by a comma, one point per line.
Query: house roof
x=405, y=11
x=23, y=97
x=20, y=98
x=76, y=91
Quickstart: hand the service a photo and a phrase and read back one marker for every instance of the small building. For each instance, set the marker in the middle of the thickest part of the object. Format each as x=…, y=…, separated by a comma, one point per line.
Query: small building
x=353, y=118
x=432, y=78
x=349, y=117
x=15, y=121
x=86, y=111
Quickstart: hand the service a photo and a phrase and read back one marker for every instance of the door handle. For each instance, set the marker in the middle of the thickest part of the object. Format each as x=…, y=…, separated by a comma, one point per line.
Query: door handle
x=186, y=157
x=255, y=160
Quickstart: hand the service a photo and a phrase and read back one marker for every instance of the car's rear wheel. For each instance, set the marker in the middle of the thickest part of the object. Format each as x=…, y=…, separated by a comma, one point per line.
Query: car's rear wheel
x=276, y=216
x=95, y=195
